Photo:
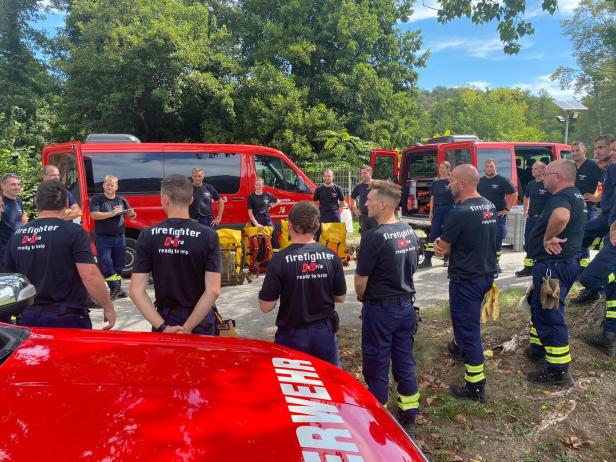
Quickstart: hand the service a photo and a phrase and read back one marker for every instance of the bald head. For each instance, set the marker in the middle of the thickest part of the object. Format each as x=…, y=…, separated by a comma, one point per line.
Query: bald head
x=464, y=181
x=565, y=168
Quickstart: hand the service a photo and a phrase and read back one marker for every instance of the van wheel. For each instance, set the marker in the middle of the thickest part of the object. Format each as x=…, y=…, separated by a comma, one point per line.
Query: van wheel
x=130, y=254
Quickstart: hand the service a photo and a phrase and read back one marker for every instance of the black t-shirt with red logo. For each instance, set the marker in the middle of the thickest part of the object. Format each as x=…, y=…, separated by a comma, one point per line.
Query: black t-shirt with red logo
x=471, y=231
x=46, y=250
x=495, y=189
x=328, y=197
x=178, y=252
x=388, y=256
x=113, y=226
x=306, y=277
x=260, y=203
x=203, y=196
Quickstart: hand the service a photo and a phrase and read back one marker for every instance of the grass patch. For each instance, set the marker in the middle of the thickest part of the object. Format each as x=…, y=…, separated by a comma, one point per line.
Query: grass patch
x=602, y=365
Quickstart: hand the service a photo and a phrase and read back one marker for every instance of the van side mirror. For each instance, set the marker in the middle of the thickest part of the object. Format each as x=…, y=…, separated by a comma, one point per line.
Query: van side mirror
x=16, y=294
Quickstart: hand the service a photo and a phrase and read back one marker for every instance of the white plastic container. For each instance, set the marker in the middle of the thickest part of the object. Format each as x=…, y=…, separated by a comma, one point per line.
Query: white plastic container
x=347, y=218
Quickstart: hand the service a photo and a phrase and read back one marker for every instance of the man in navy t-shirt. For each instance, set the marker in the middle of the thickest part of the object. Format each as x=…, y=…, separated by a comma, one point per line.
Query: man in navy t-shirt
x=329, y=196
x=184, y=259
x=469, y=238
x=13, y=215
x=360, y=194
x=73, y=211
x=384, y=283
x=55, y=255
x=204, y=194
x=309, y=279
x=555, y=244
x=496, y=188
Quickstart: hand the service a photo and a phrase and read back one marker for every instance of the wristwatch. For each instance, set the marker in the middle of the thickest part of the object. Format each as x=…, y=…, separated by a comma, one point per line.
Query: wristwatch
x=161, y=328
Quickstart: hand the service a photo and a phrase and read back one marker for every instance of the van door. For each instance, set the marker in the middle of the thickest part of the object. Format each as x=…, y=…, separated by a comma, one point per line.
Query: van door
x=66, y=159
x=384, y=165
x=458, y=154
x=224, y=168
x=563, y=152
x=284, y=181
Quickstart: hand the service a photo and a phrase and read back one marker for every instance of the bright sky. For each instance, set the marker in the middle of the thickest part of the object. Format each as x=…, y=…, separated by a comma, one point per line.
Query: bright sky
x=465, y=54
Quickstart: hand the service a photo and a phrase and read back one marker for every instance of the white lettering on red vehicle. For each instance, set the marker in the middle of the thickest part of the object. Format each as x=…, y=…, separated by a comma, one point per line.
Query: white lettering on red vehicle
x=323, y=434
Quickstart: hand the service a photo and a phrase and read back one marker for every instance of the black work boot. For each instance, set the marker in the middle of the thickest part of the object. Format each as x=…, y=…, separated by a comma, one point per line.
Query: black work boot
x=549, y=376
x=407, y=423
x=426, y=263
x=535, y=357
x=455, y=351
x=114, y=293
x=526, y=271
x=604, y=341
x=586, y=296
x=466, y=392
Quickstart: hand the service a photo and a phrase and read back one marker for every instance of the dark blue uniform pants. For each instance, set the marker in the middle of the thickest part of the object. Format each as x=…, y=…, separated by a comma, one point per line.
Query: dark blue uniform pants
x=57, y=315
x=388, y=332
x=110, y=252
x=549, y=335
x=207, y=221
x=439, y=217
x=178, y=316
x=501, y=232
x=593, y=226
x=265, y=220
x=530, y=224
x=317, y=339
x=465, y=297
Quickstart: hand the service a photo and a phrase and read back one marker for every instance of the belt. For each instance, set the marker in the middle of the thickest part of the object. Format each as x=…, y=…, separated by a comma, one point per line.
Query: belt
x=176, y=310
x=400, y=300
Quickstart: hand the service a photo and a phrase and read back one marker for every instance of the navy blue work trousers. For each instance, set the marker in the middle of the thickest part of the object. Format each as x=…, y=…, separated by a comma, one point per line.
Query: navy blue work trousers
x=549, y=333
x=388, y=335
x=439, y=217
x=317, y=339
x=465, y=297
x=111, y=255
x=178, y=316
x=57, y=315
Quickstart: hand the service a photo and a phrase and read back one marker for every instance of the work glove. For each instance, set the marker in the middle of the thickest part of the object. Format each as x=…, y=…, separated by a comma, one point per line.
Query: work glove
x=490, y=310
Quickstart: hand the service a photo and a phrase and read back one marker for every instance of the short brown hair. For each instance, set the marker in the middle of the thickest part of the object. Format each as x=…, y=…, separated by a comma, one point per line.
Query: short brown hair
x=50, y=195
x=365, y=167
x=388, y=190
x=607, y=138
x=178, y=188
x=304, y=217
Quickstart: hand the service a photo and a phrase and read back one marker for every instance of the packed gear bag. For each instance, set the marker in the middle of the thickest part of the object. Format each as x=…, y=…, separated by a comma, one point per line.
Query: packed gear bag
x=285, y=240
x=259, y=251
x=550, y=292
x=224, y=327
x=232, y=255
x=333, y=236
x=490, y=310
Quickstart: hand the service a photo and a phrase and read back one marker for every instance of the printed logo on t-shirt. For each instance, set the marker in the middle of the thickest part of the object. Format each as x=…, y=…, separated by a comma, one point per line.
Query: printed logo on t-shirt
x=33, y=235
x=582, y=177
x=495, y=186
x=313, y=268
x=404, y=241
x=487, y=211
x=542, y=192
x=172, y=243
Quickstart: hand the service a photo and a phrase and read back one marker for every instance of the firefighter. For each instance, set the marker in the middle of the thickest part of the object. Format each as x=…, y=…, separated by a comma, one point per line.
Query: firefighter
x=308, y=279
x=259, y=205
x=469, y=238
x=535, y=198
x=108, y=210
x=554, y=243
x=73, y=211
x=329, y=196
x=384, y=283
x=203, y=195
x=496, y=188
x=55, y=255
x=596, y=229
x=361, y=191
x=13, y=215
x=589, y=174
x=184, y=258
x=441, y=202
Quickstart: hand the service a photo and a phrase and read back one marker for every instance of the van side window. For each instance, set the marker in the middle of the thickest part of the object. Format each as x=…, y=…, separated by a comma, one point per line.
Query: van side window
x=67, y=164
x=279, y=175
x=502, y=158
x=222, y=170
x=458, y=157
x=137, y=172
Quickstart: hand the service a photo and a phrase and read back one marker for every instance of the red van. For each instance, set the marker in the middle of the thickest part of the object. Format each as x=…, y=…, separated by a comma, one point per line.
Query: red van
x=140, y=167
x=417, y=166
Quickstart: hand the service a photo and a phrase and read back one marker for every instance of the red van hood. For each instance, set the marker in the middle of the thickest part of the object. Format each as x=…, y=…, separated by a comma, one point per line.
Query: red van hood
x=119, y=396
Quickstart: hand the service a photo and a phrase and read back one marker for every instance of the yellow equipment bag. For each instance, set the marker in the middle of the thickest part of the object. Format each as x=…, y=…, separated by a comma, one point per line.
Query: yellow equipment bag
x=491, y=307
x=333, y=236
x=232, y=254
x=285, y=240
